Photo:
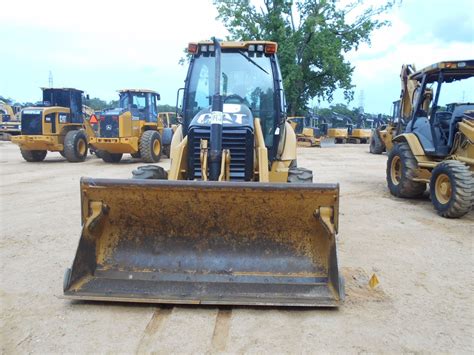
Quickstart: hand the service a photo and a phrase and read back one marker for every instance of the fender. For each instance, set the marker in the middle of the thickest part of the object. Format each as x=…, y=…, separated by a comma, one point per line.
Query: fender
x=413, y=142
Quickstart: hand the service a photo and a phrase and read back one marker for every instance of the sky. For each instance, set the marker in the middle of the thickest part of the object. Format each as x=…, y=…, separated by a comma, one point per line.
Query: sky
x=102, y=46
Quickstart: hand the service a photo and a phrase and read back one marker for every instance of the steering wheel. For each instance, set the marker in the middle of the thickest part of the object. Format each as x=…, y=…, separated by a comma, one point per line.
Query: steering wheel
x=235, y=96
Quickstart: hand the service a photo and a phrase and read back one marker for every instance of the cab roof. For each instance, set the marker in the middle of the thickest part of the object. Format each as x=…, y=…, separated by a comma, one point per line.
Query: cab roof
x=237, y=44
x=139, y=91
x=62, y=89
x=452, y=70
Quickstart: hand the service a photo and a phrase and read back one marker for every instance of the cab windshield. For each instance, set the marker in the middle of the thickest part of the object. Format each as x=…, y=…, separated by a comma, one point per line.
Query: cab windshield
x=137, y=100
x=245, y=79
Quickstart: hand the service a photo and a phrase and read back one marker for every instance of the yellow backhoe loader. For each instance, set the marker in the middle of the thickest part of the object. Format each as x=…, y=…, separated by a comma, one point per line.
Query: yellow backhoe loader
x=133, y=128
x=437, y=146
x=54, y=125
x=234, y=221
x=10, y=124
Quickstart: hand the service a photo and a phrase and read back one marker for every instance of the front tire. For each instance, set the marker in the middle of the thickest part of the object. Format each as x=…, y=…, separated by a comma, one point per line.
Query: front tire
x=401, y=170
x=75, y=146
x=33, y=155
x=150, y=147
x=452, y=189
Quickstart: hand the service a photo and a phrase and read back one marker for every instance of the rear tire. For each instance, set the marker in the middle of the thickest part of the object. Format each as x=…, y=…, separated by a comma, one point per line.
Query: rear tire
x=75, y=146
x=300, y=175
x=109, y=157
x=452, y=189
x=33, y=155
x=150, y=147
x=376, y=144
x=401, y=169
x=136, y=155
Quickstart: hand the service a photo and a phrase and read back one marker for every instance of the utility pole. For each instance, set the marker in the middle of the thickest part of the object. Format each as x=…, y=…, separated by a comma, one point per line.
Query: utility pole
x=361, y=101
x=50, y=79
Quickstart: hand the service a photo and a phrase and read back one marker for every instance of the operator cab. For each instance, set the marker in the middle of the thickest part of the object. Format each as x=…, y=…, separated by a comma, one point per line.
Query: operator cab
x=435, y=117
x=141, y=103
x=251, y=87
x=65, y=97
x=32, y=117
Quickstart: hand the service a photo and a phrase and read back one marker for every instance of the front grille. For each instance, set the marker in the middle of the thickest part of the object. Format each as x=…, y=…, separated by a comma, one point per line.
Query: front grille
x=31, y=124
x=238, y=140
x=109, y=126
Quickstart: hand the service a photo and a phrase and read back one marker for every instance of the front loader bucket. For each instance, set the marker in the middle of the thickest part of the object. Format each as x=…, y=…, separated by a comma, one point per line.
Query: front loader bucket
x=327, y=142
x=197, y=242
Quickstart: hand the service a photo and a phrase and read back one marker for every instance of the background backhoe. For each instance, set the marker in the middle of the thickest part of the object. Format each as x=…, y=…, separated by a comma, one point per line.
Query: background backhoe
x=382, y=136
x=437, y=147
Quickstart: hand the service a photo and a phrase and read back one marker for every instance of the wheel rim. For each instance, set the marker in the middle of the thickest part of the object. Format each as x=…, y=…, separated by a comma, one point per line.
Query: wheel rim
x=396, y=170
x=156, y=147
x=443, y=190
x=81, y=147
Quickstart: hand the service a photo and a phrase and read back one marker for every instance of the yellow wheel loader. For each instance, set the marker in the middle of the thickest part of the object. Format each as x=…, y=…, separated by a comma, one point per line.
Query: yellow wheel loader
x=234, y=221
x=133, y=128
x=309, y=133
x=55, y=125
x=437, y=147
x=10, y=124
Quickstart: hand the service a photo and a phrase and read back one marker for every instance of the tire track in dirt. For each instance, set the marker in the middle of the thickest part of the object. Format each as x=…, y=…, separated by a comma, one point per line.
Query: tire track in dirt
x=221, y=329
x=152, y=330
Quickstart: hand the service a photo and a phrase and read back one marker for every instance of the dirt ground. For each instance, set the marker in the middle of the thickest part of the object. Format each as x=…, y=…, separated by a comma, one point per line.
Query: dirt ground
x=424, y=302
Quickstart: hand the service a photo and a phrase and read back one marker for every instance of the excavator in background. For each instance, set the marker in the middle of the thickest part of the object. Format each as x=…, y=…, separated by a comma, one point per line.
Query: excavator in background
x=10, y=124
x=234, y=221
x=340, y=134
x=134, y=128
x=309, y=133
x=382, y=136
x=437, y=145
x=56, y=124
x=358, y=134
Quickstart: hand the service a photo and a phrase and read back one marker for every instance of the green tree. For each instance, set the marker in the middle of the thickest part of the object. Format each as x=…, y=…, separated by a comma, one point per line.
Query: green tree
x=96, y=104
x=313, y=36
x=166, y=108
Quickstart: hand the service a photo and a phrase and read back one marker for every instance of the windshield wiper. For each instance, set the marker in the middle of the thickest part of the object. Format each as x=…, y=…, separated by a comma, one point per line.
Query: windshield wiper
x=252, y=61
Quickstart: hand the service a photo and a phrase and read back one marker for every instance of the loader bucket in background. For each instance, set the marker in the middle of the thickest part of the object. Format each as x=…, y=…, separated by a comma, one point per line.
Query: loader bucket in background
x=207, y=243
x=327, y=142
